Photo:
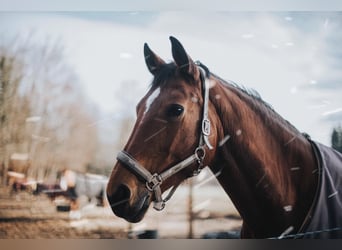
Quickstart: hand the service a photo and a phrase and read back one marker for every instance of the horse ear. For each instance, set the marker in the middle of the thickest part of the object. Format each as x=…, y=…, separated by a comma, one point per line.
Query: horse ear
x=182, y=59
x=153, y=62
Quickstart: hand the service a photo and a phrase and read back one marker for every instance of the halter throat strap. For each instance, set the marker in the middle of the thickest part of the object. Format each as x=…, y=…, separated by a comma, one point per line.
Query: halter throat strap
x=154, y=181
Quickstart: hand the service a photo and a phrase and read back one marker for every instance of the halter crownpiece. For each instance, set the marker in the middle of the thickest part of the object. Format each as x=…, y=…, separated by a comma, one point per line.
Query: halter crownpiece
x=154, y=181
x=205, y=74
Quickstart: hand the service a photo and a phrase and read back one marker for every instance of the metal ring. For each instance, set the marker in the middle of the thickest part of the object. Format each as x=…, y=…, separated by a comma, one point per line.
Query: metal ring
x=200, y=153
x=159, y=206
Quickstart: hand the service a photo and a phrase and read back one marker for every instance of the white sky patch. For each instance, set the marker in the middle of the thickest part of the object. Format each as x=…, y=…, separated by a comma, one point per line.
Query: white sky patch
x=151, y=99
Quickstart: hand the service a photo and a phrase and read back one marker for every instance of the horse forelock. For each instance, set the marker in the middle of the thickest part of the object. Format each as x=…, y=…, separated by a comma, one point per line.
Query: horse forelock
x=167, y=71
x=170, y=71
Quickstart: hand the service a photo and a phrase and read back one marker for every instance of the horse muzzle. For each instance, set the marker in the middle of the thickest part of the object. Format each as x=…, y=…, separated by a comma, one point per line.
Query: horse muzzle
x=125, y=206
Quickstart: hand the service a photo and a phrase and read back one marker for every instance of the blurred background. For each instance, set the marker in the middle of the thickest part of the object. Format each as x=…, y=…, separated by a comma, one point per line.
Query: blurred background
x=70, y=81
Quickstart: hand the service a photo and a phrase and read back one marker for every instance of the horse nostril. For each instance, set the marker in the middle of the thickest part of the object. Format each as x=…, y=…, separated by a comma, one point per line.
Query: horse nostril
x=120, y=196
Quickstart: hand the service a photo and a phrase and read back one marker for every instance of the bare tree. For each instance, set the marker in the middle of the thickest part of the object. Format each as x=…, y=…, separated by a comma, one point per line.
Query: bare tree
x=43, y=111
x=12, y=108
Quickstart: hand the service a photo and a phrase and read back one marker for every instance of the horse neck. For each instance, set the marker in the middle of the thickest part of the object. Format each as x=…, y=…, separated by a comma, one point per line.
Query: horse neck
x=266, y=163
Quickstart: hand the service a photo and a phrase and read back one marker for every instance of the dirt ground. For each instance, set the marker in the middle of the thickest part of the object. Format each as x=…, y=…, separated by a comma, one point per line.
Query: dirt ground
x=25, y=216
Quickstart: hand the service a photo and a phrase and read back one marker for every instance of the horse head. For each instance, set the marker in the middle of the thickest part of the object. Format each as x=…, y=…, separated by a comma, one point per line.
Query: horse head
x=170, y=140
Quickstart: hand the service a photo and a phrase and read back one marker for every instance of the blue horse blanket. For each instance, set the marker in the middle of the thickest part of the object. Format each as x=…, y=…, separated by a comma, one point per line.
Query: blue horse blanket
x=324, y=219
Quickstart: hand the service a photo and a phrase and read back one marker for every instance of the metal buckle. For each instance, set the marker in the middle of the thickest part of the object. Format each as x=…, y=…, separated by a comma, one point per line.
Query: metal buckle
x=206, y=127
x=153, y=182
x=197, y=172
x=200, y=155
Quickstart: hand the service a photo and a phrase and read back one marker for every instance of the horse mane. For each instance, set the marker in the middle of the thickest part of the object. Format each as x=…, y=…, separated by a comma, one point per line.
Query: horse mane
x=248, y=91
x=257, y=100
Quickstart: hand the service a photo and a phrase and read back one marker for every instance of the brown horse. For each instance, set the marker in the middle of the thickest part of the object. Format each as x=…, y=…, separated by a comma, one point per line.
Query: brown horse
x=191, y=118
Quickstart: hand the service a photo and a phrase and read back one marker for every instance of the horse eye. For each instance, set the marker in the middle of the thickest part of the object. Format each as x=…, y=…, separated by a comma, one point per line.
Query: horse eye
x=174, y=110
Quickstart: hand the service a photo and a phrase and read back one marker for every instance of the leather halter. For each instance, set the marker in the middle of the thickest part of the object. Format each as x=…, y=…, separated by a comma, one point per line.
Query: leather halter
x=153, y=181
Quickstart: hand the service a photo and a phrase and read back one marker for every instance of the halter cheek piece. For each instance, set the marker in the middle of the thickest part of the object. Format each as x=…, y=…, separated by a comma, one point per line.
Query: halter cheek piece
x=153, y=181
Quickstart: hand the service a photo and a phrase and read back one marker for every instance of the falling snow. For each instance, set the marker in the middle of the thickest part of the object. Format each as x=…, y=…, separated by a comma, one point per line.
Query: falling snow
x=212, y=84
x=261, y=179
x=224, y=140
x=118, y=203
x=288, y=208
x=291, y=140
x=286, y=232
x=201, y=205
x=333, y=194
x=338, y=110
x=160, y=120
x=208, y=179
x=247, y=36
x=326, y=23
x=194, y=99
x=293, y=90
x=156, y=133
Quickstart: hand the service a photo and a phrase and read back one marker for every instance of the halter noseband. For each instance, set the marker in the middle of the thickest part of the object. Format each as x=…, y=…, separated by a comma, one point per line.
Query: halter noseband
x=153, y=181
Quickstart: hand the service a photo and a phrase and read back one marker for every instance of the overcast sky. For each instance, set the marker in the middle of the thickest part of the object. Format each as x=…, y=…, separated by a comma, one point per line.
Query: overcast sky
x=293, y=59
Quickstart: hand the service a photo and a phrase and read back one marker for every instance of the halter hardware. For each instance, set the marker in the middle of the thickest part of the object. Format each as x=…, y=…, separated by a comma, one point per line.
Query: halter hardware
x=206, y=127
x=154, y=181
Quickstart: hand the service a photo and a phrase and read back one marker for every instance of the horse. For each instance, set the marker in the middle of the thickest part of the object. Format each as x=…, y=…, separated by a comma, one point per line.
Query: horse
x=191, y=118
x=91, y=186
